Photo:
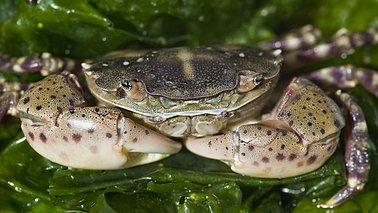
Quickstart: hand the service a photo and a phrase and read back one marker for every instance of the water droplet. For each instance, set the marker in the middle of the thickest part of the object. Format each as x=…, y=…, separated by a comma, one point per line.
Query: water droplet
x=264, y=12
x=126, y=63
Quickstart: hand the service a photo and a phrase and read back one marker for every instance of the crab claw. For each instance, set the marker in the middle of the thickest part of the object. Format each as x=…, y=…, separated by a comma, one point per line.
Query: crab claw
x=301, y=133
x=97, y=138
x=61, y=128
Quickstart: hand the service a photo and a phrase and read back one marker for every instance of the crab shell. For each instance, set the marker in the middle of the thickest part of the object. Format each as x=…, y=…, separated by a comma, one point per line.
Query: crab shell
x=186, y=91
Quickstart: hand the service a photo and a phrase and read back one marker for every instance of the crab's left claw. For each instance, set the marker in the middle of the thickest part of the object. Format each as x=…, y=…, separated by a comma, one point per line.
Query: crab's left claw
x=301, y=133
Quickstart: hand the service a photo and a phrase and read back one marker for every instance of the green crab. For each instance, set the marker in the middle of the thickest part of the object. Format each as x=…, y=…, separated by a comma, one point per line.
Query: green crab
x=206, y=97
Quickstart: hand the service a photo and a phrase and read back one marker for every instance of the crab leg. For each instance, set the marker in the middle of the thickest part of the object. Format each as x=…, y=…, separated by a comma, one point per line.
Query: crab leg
x=9, y=95
x=58, y=125
x=44, y=63
x=356, y=153
x=343, y=43
x=346, y=77
x=304, y=37
x=301, y=133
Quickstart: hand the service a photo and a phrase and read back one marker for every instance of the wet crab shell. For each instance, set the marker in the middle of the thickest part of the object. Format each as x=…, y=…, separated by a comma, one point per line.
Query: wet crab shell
x=185, y=81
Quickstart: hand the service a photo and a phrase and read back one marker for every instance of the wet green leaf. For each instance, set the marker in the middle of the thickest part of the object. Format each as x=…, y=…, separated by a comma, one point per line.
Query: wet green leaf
x=183, y=182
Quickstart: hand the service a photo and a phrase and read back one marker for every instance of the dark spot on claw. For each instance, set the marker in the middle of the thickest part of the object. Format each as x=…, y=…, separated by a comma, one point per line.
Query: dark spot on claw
x=43, y=137
x=31, y=136
x=265, y=159
x=109, y=135
x=209, y=144
x=322, y=131
x=311, y=160
x=76, y=138
x=147, y=132
x=91, y=130
x=39, y=107
x=243, y=154
x=71, y=110
x=135, y=140
x=72, y=102
x=250, y=147
x=268, y=132
x=280, y=156
x=309, y=124
x=26, y=100
x=65, y=138
x=282, y=146
x=284, y=132
x=270, y=149
x=292, y=157
x=53, y=97
x=297, y=97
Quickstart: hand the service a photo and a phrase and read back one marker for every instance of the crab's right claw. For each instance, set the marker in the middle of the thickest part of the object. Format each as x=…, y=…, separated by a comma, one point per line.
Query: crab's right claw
x=97, y=138
x=64, y=130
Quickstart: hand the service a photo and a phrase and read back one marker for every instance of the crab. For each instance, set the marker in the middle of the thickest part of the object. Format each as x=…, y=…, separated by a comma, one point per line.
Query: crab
x=206, y=97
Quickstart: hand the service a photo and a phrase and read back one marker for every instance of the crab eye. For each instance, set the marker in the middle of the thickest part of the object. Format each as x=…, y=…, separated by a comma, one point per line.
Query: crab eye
x=257, y=79
x=133, y=89
x=126, y=84
x=248, y=80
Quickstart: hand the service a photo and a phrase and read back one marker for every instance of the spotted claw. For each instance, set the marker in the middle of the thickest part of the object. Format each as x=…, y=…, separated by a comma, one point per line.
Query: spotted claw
x=301, y=133
x=64, y=130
